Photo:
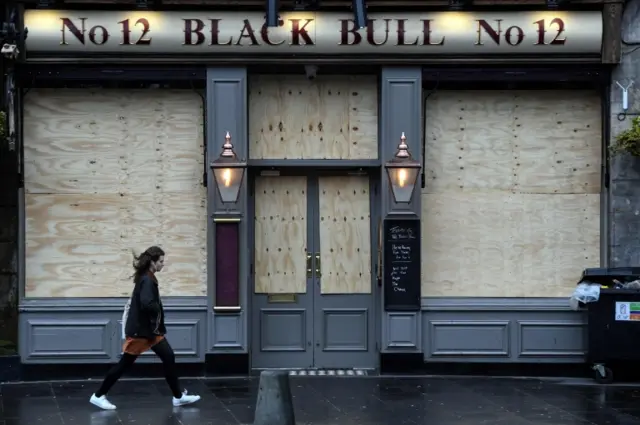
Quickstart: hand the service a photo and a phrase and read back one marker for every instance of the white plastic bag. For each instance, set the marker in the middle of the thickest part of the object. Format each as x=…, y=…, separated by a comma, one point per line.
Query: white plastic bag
x=633, y=285
x=125, y=315
x=584, y=293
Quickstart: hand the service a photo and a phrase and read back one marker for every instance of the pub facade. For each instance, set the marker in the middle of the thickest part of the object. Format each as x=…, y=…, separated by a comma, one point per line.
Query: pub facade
x=335, y=192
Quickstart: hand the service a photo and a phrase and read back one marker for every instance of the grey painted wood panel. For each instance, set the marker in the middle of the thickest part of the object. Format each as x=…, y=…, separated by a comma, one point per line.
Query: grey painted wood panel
x=226, y=111
x=89, y=330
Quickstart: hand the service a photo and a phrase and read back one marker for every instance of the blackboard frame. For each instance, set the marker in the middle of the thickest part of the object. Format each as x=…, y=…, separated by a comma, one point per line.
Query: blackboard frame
x=410, y=300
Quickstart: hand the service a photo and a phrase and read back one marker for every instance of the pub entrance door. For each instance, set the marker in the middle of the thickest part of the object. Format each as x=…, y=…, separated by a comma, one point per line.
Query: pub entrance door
x=313, y=277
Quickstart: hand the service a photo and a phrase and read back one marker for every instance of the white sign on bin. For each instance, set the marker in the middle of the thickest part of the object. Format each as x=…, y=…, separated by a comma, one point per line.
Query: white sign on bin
x=627, y=311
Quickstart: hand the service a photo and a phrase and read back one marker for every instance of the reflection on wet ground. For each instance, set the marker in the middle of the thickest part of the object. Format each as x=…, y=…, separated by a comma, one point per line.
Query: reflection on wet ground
x=333, y=401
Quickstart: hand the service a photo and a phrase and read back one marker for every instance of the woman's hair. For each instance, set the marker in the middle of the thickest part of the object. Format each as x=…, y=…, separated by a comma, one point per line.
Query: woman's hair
x=142, y=262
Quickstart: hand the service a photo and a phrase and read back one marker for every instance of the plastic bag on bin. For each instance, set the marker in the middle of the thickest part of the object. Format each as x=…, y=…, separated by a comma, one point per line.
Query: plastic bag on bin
x=584, y=293
x=629, y=285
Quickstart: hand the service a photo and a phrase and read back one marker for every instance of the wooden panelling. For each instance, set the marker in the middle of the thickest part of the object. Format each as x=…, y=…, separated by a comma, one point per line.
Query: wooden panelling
x=512, y=202
x=331, y=117
x=108, y=172
x=280, y=235
x=345, y=235
x=81, y=331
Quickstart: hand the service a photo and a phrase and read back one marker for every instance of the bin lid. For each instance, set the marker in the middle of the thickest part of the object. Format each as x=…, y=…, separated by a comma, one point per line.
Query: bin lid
x=612, y=271
x=605, y=275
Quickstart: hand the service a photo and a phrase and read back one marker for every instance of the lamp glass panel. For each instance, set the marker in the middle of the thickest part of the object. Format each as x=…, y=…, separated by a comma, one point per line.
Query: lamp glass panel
x=402, y=180
x=228, y=180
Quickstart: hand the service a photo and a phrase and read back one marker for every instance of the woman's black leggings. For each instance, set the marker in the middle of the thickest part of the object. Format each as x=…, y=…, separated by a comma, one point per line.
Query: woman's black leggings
x=162, y=350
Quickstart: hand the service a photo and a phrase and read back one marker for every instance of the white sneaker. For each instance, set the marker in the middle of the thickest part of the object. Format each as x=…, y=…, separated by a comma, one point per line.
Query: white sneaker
x=102, y=402
x=185, y=399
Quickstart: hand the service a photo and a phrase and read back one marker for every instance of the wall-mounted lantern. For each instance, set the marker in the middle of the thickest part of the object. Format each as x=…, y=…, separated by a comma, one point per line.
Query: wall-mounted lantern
x=403, y=172
x=228, y=172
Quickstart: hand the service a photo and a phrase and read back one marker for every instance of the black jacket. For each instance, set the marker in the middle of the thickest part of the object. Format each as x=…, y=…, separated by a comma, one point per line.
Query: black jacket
x=146, y=314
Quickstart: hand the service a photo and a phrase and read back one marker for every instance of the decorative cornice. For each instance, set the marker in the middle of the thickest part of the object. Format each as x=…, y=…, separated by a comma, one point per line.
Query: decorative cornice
x=105, y=304
x=200, y=303
x=495, y=304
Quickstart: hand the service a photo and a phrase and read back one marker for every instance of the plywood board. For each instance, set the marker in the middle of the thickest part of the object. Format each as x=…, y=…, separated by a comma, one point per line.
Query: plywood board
x=280, y=235
x=81, y=246
x=512, y=203
x=507, y=245
x=113, y=141
x=108, y=172
x=522, y=141
x=345, y=235
x=330, y=117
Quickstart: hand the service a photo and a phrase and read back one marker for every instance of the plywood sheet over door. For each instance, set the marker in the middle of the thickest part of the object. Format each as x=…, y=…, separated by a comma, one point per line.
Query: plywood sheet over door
x=280, y=235
x=345, y=235
x=108, y=172
x=511, y=206
x=331, y=117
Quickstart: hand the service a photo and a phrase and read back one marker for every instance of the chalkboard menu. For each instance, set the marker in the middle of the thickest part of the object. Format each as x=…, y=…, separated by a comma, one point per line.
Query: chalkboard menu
x=401, y=274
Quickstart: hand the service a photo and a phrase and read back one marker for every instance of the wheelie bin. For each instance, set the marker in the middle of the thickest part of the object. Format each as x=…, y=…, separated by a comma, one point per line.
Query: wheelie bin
x=613, y=324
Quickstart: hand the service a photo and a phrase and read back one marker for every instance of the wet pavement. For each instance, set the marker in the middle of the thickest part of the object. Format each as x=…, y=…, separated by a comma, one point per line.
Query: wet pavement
x=335, y=401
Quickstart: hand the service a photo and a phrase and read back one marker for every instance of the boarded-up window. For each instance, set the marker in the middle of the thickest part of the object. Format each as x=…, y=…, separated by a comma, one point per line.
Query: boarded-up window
x=331, y=117
x=511, y=206
x=108, y=172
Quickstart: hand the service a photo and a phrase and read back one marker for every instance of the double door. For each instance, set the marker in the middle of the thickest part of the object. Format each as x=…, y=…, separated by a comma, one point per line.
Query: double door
x=313, y=290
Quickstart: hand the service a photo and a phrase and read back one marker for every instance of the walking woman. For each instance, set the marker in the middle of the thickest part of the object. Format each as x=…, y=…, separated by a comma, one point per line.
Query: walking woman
x=145, y=330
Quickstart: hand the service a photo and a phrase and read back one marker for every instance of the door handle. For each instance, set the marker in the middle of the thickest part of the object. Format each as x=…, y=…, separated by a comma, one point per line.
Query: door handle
x=318, y=268
x=309, y=269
